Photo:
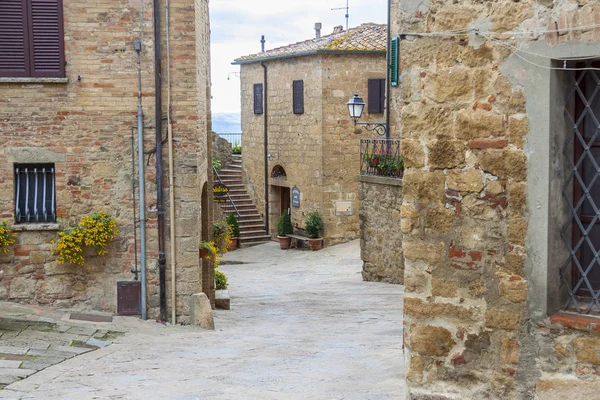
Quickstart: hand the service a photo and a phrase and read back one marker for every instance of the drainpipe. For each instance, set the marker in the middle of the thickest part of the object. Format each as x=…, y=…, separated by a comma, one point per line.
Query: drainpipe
x=142, y=185
x=159, y=168
x=387, y=81
x=266, y=141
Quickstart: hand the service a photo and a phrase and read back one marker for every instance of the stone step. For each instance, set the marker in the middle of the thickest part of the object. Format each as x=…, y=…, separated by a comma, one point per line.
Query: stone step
x=252, y=227
x=254, y=239
x=250, y=222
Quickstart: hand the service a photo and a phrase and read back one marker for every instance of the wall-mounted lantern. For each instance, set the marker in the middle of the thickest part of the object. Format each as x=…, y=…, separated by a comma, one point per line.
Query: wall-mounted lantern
x=356, y=105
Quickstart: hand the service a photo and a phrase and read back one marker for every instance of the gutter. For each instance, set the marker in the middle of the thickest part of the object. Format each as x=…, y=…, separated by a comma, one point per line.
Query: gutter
x=308, y=53
x=266, y=143
x=388, y=70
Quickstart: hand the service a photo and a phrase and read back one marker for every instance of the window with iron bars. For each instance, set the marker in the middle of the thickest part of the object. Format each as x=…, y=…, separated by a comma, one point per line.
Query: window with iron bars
x=35, y=194
x=580, y=272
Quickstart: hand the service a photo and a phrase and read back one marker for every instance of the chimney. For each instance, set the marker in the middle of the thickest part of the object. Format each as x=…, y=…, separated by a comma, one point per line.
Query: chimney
x=262, y=44
x=338, y=29
x=318, y=30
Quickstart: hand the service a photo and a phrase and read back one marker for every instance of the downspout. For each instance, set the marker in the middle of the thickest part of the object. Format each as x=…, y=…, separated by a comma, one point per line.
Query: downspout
x=266, y=142
x=171, y=177
x=387, y=81
x=159, y=167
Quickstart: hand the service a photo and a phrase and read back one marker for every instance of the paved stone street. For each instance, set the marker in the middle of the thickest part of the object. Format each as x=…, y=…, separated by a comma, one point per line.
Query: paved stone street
x=303, y=325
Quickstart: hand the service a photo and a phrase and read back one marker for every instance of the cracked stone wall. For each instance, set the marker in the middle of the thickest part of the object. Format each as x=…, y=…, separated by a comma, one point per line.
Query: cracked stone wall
x=481, y=136
x=84, y=128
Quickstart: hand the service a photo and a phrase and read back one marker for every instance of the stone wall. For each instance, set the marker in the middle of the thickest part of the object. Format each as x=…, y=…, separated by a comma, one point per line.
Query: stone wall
x=84, y=127
x=318, y=149
x=221, y=149
x=482, y=138
x=380, y=237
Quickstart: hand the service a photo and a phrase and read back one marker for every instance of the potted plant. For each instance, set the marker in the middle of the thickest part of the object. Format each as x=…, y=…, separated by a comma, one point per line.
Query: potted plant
x=207, y=250
x=314, y=228
x=284, y=228
x=235, y=231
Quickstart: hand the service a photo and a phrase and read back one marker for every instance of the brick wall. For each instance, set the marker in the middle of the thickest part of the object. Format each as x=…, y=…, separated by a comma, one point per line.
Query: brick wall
x=84, y=128
x=477, y=214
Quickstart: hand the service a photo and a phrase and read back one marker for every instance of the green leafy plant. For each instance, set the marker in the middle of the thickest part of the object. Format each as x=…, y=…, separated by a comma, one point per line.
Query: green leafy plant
x=233, y=225
x=284, y=227
x=7, y=237
x=236, y=149
x=221, y=236
x=221, y=280
x=314, y=224
x=95, y=230
x=216, y=163
x=384, y=162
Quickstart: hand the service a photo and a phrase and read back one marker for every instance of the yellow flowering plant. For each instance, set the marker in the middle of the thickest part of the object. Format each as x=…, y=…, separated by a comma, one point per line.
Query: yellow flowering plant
x=211, y=250
x=7, y=237
x=95, y=230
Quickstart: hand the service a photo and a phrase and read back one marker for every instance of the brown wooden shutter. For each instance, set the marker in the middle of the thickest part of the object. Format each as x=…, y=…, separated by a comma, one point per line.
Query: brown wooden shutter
x=14, y=41
x=46, y=30
x=376, y=96
x=298, y=96
x=258, y=98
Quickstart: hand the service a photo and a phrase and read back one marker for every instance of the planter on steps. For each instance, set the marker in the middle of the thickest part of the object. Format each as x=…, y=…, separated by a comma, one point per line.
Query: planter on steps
x=234, y=244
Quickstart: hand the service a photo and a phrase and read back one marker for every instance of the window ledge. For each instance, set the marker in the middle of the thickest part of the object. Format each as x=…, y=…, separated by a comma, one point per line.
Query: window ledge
x=35, y=227
x=575, y=321
x=34, y=80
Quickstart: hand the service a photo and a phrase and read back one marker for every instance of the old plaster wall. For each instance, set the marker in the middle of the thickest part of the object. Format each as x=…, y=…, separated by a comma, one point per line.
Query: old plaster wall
x=482, y=136
x=380, y=237
x=84, y=128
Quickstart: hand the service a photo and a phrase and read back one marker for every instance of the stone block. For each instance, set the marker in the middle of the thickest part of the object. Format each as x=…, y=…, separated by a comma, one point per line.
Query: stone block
x=424, y=186
x=416, y=281
x=478, y=124
x=409, y=218
x=518, y=128
x=479, y=57
x=431, y=254
x=514, y=291
x=443, y=288
x=419, y=309
x=413, y=154
x=449, y=85
x=500, y=319
x=455, y=16
x=508, y=15
x=587, y=349
x=201, y=313
x=415, y=370
x=426, y=121
x=560, y=389
x=430, y=340
x=504, y=163
x=509, y=351
x=469, y=180
x=439, y=220
x=446, y=153
x=517, y=197
x=494, y=188
x=21, y=287
x=517, y=229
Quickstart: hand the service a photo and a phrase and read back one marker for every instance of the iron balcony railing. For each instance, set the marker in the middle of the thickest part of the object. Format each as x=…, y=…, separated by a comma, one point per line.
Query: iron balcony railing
x=234, y=138
x=381, y=157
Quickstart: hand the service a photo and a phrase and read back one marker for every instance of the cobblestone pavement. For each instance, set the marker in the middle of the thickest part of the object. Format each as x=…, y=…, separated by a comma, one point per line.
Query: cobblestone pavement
x=303, y=325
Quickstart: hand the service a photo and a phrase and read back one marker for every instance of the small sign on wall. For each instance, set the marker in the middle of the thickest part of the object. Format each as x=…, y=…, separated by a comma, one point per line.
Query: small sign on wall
x=220, y=192
x=343, y=208
x=295, y=197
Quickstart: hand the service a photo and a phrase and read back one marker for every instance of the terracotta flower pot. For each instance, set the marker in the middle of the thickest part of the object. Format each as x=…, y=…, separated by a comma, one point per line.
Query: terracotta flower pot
x=315, y=244
x=233, y=245
x=284, y=242
x=203, y=253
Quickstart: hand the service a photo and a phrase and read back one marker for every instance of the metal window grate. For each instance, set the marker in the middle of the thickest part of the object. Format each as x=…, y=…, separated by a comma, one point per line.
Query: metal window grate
x=35, y=198
x=580, y=272
x=381, y=157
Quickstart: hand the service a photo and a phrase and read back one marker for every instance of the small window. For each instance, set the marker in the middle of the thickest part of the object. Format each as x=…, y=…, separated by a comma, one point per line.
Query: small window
x=35, y=198
x=298, y=97
x=376, y=96
x=258, y=98
x=31, y=39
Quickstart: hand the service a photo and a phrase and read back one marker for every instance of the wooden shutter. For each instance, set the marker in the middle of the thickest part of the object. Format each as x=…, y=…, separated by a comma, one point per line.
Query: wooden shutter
x=14, y=40
x=298, y=96
x=394, y=62
x=46, y=30
x=258, y=98
x=376, y=96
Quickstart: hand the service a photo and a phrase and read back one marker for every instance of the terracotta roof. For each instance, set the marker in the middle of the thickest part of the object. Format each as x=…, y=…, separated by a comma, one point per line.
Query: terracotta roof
x=367, y=38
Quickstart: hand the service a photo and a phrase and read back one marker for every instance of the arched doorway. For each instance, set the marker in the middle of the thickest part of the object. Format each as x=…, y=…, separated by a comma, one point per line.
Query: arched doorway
x=279, y=196
x=208, y=270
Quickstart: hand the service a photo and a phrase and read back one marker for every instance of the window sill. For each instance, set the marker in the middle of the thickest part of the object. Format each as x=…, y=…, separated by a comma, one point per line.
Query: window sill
x=34, y=80
x=575, y=321
x=35, y=227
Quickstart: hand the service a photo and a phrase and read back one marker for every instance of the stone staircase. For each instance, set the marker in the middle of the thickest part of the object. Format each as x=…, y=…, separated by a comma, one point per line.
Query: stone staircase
x=252, y=225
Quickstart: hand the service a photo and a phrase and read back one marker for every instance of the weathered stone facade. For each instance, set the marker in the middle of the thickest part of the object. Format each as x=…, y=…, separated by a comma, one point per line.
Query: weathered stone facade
x=318, y=149
x=482, y=133
x=380, y=234
x=84, y=127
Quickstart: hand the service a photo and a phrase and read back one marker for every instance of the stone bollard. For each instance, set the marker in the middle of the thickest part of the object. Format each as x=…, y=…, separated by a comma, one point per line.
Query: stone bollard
x=201, y=313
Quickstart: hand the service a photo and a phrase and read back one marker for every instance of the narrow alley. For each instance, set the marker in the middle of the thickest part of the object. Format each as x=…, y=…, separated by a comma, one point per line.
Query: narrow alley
x=302, y=325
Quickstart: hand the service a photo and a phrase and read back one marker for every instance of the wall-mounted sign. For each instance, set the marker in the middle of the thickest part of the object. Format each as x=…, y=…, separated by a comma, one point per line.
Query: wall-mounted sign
x=295, y=197
x=220, y=192
x=343, y=208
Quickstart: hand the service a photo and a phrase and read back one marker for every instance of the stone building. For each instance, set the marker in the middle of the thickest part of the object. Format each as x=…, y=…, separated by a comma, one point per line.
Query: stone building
x=499, y=120
x=298, y=94
x=68, y=117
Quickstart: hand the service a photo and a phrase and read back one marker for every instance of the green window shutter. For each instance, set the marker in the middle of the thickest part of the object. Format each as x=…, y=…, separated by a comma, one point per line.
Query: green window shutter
x=394, y=64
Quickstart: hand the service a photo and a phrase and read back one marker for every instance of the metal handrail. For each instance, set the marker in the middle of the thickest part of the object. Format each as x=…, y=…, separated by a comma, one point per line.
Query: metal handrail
x=228, y=196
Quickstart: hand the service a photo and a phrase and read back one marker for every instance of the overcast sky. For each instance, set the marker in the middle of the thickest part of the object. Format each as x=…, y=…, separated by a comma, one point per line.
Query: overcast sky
x=236, y=27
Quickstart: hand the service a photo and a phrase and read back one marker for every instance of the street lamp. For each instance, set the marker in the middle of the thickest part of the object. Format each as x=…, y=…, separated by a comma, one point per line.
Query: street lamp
x=356, y=105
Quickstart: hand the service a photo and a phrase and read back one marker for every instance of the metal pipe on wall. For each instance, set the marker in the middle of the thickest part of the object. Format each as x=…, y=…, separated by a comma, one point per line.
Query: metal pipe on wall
x=388, y=75
x=159, y=166
x=266, y=143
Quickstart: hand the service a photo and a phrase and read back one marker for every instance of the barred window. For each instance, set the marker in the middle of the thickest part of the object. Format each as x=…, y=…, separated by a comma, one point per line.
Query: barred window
x=35, y=197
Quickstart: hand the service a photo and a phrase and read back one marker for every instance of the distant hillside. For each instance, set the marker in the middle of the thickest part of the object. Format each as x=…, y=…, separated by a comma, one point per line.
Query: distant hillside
x=226, y=123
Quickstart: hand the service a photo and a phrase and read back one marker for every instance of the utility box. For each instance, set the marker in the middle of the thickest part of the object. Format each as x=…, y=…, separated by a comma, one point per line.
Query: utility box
x=129, y=298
